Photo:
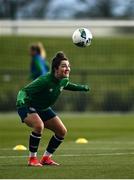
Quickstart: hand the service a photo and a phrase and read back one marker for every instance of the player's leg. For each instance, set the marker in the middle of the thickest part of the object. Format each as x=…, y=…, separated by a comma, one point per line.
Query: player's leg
x=32, y=119
x=56, y=125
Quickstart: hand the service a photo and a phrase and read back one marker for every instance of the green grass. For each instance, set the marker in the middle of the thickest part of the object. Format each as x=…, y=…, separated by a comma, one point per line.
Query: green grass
x=109, y=153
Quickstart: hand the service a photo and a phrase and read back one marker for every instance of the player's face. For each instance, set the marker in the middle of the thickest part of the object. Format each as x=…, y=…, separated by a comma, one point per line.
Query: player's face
x=63, y=69
x=32, y=52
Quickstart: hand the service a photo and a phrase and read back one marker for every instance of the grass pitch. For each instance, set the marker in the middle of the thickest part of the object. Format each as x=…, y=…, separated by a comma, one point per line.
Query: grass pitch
x=109, y=153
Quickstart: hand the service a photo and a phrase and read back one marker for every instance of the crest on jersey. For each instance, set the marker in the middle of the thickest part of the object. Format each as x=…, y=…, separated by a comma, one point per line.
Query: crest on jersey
x=61, y=88
x=51, y=90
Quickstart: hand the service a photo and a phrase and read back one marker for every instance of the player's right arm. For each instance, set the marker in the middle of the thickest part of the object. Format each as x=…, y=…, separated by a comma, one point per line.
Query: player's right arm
x=26, y=93
x=21, y=98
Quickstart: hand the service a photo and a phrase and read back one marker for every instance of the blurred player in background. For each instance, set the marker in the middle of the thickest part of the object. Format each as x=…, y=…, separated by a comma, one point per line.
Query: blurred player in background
x=39, y=65
x=34, y=103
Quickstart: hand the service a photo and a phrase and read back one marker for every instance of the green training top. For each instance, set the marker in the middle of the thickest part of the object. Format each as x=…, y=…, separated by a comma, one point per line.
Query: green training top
x=44, y=91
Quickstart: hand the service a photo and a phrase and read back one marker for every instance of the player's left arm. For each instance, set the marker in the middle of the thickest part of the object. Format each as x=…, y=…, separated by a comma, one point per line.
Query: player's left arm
x=76, y=87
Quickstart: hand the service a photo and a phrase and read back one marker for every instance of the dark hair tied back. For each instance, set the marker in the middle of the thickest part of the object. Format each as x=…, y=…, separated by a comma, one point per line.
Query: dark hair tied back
x=60, y=56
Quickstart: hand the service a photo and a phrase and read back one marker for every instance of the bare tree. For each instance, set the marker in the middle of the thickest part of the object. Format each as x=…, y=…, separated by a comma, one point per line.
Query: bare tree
x=12, y=9
x=105, y=9
x=33, y=9
x=81, y=9
x=8, y=9
x=99, y=9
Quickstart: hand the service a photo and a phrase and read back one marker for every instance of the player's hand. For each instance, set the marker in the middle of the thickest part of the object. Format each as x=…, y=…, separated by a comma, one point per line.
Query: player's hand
x=86, y=88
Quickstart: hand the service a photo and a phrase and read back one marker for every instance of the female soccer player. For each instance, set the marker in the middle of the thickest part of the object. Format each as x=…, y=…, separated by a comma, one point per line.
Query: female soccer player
x=34, y=108
x=39, y=65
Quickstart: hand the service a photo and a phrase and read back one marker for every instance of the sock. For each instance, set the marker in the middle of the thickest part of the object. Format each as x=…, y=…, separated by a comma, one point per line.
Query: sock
x=47, y=154
x=54, y=143
x=31, y=154
x=34, y=143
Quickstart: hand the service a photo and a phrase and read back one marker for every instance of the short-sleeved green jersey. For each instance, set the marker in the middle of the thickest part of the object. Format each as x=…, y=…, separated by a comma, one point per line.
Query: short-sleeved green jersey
x=44, y=91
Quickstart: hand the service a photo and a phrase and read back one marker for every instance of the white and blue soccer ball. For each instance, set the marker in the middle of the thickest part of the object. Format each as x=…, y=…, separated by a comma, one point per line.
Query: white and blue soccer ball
x=82, y=37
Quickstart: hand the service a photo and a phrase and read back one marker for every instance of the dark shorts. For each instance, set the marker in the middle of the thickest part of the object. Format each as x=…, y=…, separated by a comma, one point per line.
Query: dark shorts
x=44, y=115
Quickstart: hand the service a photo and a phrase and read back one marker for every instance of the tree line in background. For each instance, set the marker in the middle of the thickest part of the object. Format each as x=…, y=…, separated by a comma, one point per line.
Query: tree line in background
x=67, y=9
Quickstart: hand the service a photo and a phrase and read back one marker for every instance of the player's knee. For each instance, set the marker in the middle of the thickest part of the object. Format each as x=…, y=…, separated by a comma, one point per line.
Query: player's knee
x=63, y=132
x=39, y=128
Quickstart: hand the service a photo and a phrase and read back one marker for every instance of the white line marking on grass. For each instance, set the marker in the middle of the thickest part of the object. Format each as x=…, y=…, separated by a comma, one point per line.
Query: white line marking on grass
x=104, y=148
x=2, y=157
x=78, y=148
x=6, y=149
x=77, y=155
x=99, y=154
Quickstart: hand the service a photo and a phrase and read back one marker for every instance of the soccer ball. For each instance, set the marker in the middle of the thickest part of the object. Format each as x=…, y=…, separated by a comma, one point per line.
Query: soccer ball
x=82, y=37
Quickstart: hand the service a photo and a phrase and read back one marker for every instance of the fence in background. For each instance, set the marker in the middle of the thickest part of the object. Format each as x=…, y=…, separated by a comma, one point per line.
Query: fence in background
x=105, y=95
x=107, y=66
